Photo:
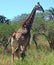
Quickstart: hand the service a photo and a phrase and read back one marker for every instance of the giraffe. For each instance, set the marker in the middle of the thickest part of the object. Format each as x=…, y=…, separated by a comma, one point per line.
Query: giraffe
x=21, y=38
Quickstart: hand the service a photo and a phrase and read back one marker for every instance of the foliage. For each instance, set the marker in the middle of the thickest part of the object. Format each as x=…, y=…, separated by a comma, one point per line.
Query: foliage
x=3, y=19
x=41, y=56
x=7, y=30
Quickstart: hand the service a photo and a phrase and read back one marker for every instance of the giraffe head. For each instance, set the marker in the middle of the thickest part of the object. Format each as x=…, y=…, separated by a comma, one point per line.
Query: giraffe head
x=39, y=7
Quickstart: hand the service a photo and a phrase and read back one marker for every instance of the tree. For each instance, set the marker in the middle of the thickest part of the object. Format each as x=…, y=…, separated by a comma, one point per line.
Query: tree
x=2, y=19
x=51, y=11
x=7, y=21
x=21, y=17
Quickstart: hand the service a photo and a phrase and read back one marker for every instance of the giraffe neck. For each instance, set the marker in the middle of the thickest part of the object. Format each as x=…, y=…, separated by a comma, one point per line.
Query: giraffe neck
x=28, y=22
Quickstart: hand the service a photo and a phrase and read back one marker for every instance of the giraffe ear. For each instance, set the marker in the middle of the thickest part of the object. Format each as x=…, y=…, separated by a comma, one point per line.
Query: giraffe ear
x=38, y=3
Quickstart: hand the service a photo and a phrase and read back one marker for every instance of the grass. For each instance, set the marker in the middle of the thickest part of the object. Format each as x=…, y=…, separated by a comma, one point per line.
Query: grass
x=37, y=57
x=41, y=56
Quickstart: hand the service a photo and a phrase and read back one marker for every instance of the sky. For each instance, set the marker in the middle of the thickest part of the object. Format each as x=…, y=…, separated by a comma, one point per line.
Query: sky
x=12, y=8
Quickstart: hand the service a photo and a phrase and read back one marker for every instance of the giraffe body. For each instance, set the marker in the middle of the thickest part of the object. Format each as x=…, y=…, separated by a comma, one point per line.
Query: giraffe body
x=22, y=37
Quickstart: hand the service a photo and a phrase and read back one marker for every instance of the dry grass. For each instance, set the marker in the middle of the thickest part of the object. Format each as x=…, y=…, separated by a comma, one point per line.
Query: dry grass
x=41, y=56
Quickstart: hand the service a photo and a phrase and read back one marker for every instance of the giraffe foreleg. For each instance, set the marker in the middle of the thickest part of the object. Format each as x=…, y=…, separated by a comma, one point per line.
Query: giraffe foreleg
x=13, y=53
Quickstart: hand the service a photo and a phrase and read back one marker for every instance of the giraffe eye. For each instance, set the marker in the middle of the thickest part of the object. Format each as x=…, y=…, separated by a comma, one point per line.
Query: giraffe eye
x=39, y=6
